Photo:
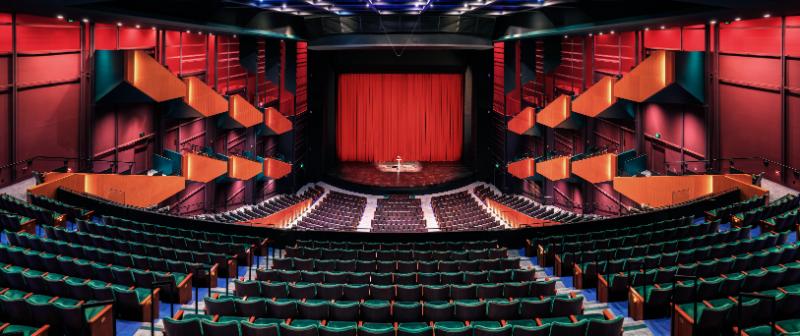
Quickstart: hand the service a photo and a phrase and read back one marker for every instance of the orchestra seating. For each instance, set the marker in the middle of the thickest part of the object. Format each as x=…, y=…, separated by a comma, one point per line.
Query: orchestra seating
x=399, y=213
x=532, y=208
x=265, y=208
x=336, y=211
x=460, y=212
x=395, y=289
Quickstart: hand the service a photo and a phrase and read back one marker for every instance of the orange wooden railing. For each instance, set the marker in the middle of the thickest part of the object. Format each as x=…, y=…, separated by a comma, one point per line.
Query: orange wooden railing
x=283, y=217
x=516, y=218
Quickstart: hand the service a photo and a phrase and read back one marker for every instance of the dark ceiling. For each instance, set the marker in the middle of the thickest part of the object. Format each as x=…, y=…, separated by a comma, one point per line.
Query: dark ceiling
x=490, y=19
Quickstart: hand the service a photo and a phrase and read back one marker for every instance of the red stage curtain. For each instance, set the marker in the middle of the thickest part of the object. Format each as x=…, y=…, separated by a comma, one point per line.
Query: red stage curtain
x=417, y=116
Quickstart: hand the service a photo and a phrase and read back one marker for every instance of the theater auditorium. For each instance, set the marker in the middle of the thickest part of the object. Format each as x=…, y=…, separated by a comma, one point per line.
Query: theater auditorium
x=399, y=167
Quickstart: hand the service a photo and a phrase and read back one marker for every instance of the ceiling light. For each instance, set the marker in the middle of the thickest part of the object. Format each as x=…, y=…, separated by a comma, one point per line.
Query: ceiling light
x=737, y=19
x=154, y=28
x=188, y=31
x=663, y=27
x=85, y=20
x=60, y=17
x=367, y=4
x=138, y=26
x=767, y=15
x=713, y=22
x=590, y=34
x=612, y=32
x=646, y=28
x=565, y=36
x=601, y=33
x=119, y=24
x=283, y=6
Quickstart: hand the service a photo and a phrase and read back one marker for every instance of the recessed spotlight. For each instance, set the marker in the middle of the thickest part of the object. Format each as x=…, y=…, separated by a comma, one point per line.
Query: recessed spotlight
x=565, y=36
x=188, y=31
x=283, y=6
x=367, y=4
x=153, y=28
x=138, y=26
x=663, y=27
x=85, y=20
x=590, y=34
x=234, y=35
x=713, y=22
x=612, y=32
x=601, y=33
x=767, y=15
x=646, y=28
x=737, y=19
x=119, y=24
x=60, y=17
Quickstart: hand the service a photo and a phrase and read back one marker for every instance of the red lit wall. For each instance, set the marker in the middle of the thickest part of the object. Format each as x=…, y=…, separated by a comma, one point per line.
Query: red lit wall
x=55, y=115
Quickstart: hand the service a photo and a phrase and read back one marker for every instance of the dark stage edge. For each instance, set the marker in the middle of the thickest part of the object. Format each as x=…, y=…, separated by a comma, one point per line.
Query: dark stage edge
x=434, y=177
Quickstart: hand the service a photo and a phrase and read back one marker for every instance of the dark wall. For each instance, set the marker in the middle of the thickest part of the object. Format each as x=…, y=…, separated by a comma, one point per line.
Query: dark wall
x=326, y=65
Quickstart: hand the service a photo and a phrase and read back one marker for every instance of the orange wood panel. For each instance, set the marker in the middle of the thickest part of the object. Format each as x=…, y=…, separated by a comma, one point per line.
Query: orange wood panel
x=276, y=169
x=596, y=169
x=556, y=112
x=243, y=169
x=147, y=75
x=243, y=112
x=596, y=99
x=648, y=78
x=70, y=181
x=741, y=181
x=659, y=191
x=201, y=168
x=554, y=169
x=522, y=169
x=283, y=217
x=523, y=122
x=203, y=99
x=275, y=121
x=135, y=190
x=515, y=218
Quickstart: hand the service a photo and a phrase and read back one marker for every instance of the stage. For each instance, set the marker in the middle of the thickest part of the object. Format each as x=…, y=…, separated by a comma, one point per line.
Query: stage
x=430, y=177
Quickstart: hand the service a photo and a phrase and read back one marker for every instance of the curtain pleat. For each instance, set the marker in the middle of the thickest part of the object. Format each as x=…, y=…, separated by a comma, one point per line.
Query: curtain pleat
x=416, y=116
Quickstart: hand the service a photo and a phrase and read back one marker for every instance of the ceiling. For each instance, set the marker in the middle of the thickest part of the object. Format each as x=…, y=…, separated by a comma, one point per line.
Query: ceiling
x=311, y=19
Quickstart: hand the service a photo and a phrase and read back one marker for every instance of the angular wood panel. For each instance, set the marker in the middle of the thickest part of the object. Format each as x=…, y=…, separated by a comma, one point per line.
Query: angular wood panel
x=133, y=190
x=150, y=77
x=648, y=78
x=596, y=169
x=203, y=99
x=555, y=169
x=275, y=169
x=599, y=101
x=524, y=122
x=201, y=168
x=243, y=169
x=660, y=191
x=243, y=113
x=275, y=122
x=522, y=169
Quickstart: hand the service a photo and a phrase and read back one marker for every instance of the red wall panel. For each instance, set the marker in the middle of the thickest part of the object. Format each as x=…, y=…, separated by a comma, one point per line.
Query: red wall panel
x=42, y=69
x=678, y=124
x=41, y=34
x=749, y=124
x=663, y=38
x=759, y=36
x=136, y=38
x=793, y=35
x=694, y=38
x=105, y=36
x=48, y=122
x=793, y=109
x=757, y=71
x=793, y=74
x=5, y=33
x=5, y=156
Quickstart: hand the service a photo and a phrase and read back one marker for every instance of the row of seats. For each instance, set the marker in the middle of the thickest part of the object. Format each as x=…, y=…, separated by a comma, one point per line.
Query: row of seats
x=60, y=315
x=222, y=238
x=567, y=260
x=461, y=212
x=131, y=303
x=358, y=292
x=336, y=211
x=179, y=292
x=532, y=208
x=725, y=212
x=405, y=266
x=752, y=217
x=416, y=246
x=265, y=208
x=593, y=324
x=20, y=207
x=204, y=265
x=586, y=273
x=401, y=255
x=549, y=246
x=57, y=206
x=433, y=278
x=616, y=284
x=13, y=222
x=376, y=310
x=399, y=213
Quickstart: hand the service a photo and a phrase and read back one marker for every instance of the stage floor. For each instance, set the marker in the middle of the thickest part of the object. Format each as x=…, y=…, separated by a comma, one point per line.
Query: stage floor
x=432, y=174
